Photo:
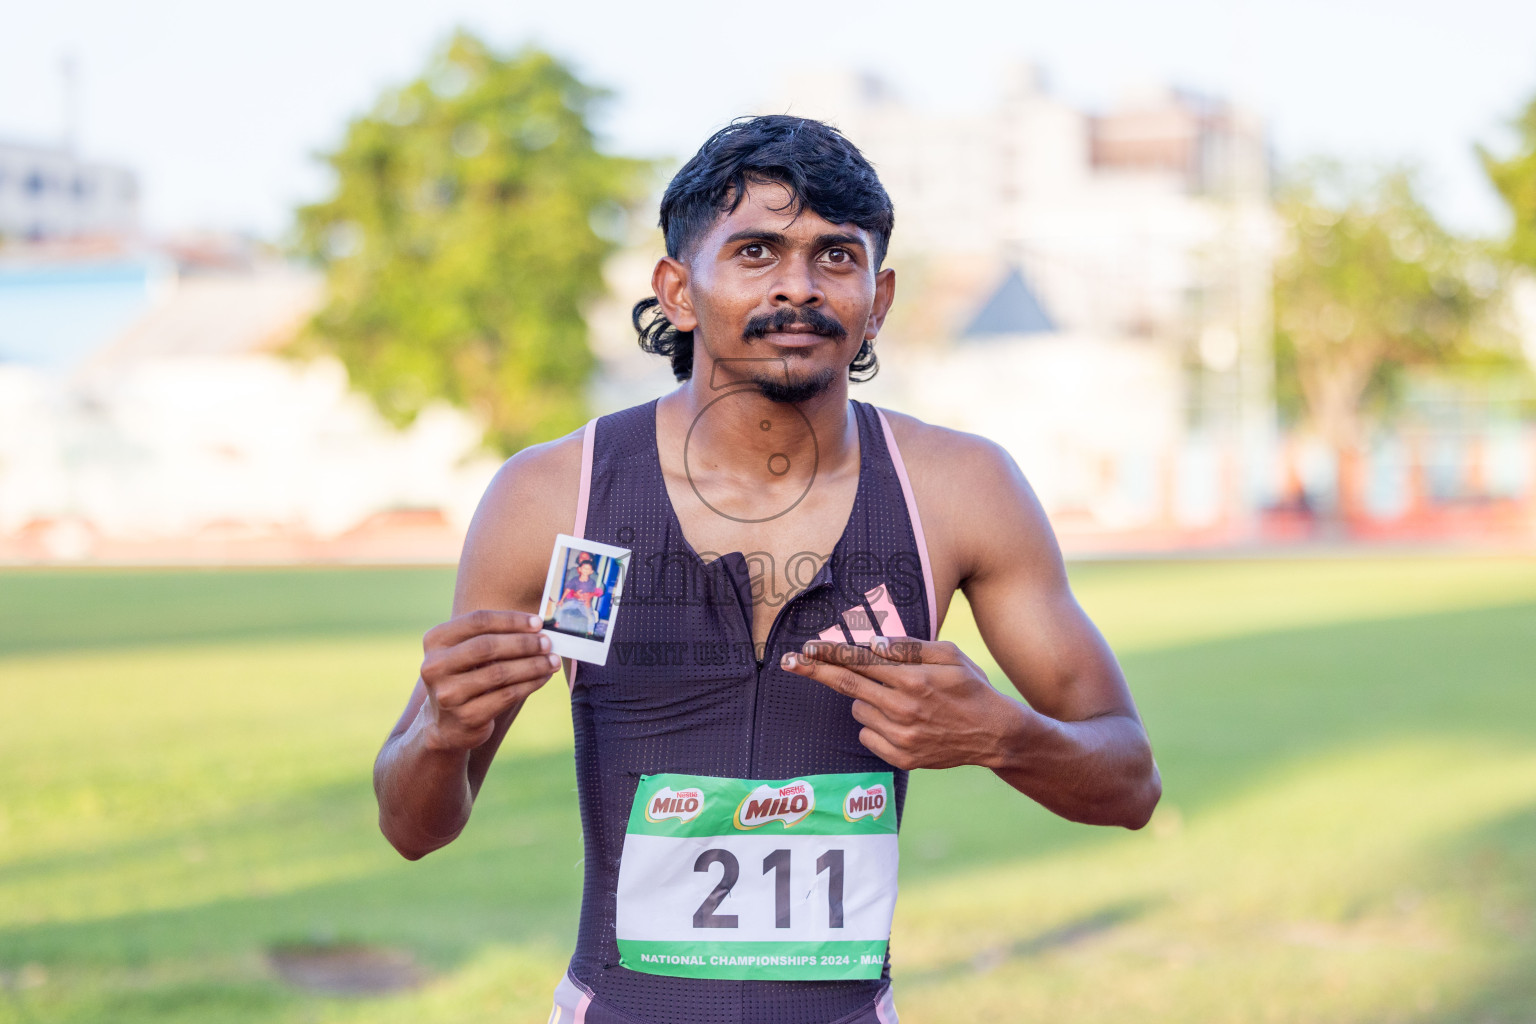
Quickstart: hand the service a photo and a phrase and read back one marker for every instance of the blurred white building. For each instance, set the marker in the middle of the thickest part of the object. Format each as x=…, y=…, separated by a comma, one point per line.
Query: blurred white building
x=187, y=436
x=48, y=193
x=1089, y=289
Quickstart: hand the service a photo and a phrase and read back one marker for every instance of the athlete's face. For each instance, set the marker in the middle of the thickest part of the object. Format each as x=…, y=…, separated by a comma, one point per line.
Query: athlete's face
x=792, y=295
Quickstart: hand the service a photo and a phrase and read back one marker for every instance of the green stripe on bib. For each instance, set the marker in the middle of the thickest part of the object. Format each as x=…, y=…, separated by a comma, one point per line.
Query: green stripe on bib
x=828, y=805
x=763, y=961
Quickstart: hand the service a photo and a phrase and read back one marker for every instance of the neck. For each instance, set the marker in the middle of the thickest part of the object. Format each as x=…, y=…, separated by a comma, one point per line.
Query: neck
x=736, y=427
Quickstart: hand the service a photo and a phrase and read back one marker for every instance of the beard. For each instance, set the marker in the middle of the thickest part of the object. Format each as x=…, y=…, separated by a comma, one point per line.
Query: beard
x=786, y=390
x=791, y=392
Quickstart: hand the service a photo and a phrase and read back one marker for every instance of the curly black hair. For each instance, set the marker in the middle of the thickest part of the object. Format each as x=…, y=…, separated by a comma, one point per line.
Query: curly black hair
x=824, y=172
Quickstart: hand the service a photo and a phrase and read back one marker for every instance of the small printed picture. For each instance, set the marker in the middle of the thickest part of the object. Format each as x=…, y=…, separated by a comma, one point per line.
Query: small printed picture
x=581, y=597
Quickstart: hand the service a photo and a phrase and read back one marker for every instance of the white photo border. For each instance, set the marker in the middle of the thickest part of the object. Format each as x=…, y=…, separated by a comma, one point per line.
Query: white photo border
x=569, y=645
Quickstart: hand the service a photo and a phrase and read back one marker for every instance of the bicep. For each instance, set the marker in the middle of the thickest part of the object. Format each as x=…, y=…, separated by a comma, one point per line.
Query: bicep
x=1027, y=615
x=507, y=548
x=506, y=557
x=506, y=552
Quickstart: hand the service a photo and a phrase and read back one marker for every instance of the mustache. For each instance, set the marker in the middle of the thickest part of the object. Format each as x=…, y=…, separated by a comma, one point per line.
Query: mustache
x=767, y=323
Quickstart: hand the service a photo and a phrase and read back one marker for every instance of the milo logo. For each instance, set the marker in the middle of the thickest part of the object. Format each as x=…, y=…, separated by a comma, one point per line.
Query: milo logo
x=683, y=804
x=790, y=804
x=864, y=803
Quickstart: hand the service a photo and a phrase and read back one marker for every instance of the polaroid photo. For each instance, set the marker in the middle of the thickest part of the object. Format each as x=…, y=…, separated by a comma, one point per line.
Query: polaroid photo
x=581, y=597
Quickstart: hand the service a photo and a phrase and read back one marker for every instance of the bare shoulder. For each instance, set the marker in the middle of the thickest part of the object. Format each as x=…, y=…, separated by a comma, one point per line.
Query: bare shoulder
x=542, y=478
x=944, y=454
x=531, y=498
x=972, y=496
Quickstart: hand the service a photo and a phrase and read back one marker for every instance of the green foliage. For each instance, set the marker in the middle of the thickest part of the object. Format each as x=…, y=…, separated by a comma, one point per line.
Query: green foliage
x=1515, y=180
x=466, y=235
x=1368, y=285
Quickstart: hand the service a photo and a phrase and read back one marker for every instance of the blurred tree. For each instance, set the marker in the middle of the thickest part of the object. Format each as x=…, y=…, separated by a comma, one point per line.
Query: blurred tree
x=465, y=236
x=1367, y=285
x=1515, y=180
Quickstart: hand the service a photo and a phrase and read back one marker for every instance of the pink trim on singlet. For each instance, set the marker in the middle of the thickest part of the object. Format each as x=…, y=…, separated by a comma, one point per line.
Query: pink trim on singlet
x=579, y=529
x=568, y=987
x=917, y=523
x=584, y=496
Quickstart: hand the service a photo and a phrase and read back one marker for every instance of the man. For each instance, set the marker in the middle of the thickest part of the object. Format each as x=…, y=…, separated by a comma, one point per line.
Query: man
x=802, y=674
x=585, y=586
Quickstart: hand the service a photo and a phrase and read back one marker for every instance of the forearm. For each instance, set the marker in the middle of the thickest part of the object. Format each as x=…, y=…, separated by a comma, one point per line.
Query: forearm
x=1098, y=771
x=423, y=791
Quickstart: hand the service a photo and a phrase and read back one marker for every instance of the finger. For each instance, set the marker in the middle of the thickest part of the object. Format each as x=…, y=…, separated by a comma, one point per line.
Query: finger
x=882, y=649
x=459, y=690
x=876, y=718
x=481, y=650
x=883, y=748
x=832, y=653
x=878, y=664
x=462, y=627
x=489, y=706
x=834, y=676
x=855, y=657
x=909, y=650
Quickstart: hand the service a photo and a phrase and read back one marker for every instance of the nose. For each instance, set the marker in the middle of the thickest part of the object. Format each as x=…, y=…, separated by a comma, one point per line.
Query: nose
x=796, y=283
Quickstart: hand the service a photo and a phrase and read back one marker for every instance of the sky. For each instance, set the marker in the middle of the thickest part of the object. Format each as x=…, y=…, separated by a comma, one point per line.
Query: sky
x=222, y=106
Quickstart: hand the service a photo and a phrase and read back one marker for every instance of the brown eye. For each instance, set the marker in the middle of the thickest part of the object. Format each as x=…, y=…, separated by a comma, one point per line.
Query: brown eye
x=755, y=251
x=837, y=255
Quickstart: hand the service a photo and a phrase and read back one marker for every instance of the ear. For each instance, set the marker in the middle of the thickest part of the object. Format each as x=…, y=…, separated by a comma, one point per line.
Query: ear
x=885, y=294
x=670, y=283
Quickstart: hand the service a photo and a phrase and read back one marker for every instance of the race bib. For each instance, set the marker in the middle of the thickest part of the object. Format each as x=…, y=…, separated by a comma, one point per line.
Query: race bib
x=792, y=880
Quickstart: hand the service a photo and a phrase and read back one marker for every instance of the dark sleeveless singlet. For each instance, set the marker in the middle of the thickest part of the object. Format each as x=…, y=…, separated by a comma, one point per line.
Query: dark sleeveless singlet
x=682, y=692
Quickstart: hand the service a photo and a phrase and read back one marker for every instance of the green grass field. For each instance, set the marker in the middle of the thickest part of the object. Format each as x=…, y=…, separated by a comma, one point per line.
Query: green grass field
x=1348, y=832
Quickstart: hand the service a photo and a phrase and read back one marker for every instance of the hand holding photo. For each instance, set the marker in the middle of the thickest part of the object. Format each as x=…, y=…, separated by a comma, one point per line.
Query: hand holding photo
x=581, y=597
